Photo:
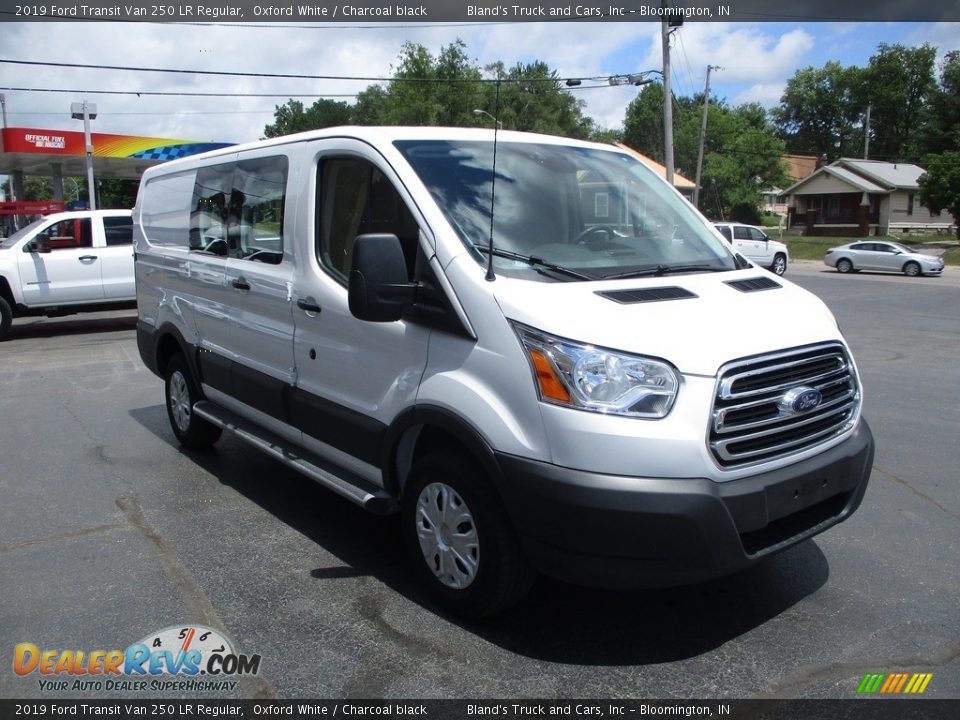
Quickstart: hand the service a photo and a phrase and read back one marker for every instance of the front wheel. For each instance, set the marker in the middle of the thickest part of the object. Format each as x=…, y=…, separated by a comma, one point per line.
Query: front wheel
x=844, y=266
x=779, y=266
x=911, y=269
x=459, y=538
x=192, y=431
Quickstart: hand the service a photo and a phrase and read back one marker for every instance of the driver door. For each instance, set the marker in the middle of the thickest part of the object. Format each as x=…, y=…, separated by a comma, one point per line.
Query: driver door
x=69, y=273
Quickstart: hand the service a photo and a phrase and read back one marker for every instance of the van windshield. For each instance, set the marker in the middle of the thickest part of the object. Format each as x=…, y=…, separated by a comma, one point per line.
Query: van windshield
x=600, y=213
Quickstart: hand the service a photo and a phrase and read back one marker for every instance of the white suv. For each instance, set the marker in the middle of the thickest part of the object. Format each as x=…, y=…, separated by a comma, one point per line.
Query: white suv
x=755, y=245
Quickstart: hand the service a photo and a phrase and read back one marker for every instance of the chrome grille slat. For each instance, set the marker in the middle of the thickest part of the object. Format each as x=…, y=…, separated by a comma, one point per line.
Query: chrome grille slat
x=750, y=425
x=718, y=425
x=727, y=393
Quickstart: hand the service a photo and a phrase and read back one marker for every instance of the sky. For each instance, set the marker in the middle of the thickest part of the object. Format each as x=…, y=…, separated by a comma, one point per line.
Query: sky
x=756, y=60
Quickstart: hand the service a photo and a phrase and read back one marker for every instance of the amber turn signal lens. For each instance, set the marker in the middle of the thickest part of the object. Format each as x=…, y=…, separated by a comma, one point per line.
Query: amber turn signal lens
x=550, y=386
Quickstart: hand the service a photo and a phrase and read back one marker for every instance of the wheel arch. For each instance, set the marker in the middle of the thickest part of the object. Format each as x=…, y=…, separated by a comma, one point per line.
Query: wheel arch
x=422, y=429
x=168, y=342
x=6, y=292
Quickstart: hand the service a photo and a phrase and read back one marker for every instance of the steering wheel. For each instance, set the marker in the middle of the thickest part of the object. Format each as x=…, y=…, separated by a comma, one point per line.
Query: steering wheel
x=584, y=237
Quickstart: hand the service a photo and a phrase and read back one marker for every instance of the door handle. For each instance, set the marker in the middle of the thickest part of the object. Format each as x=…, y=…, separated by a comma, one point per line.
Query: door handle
x=85, y=258
x=308, y=304
x=240, y=284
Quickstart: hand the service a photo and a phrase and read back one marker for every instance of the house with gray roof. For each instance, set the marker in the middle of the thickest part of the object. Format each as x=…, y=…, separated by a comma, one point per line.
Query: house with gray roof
x=857, y=198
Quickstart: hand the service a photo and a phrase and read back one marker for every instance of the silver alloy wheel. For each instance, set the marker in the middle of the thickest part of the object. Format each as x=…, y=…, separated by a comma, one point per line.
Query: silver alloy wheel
x=448, y=536
x=911, y=269
x=779, y=265
x=179, y=399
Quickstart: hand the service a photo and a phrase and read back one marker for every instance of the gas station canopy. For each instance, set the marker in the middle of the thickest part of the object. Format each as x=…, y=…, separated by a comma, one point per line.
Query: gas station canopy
x=61, y=153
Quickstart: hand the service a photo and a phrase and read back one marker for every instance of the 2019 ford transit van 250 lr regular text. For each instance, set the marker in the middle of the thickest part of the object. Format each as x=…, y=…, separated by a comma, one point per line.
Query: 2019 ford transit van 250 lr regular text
x=525, y=345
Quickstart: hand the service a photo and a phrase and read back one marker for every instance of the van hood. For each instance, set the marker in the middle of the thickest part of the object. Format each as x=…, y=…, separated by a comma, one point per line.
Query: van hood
x=721, y=316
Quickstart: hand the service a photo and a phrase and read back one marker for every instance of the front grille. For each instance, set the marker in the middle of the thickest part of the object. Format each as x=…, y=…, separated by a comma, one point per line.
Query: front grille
x=753, y=420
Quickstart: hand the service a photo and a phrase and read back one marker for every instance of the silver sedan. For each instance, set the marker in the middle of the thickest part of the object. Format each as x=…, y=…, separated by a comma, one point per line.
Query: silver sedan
x=882, y=255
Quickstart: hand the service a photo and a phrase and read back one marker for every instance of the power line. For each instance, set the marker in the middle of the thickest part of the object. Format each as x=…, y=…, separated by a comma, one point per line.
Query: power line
x=291, y=76
x=138, y=93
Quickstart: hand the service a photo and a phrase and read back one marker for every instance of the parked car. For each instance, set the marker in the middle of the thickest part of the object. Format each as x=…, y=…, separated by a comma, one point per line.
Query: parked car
x=561, y=389
x=882, y=255
x=67, y=263
x=755, y=245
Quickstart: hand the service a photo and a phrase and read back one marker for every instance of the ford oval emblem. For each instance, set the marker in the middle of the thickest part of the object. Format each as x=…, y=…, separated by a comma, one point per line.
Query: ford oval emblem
x=800, y=400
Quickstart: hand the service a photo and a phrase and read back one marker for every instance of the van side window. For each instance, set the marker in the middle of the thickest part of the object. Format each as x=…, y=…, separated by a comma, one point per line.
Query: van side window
x=119, y=230
x=165, y=216
x=356, y=198
x=209, y=210
x=260, y=187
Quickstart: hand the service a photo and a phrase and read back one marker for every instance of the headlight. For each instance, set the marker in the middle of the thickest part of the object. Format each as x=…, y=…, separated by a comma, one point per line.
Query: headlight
x=598, y=380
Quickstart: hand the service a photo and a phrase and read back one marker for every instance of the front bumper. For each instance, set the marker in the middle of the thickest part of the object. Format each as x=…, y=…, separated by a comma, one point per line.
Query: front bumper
x=616, y=531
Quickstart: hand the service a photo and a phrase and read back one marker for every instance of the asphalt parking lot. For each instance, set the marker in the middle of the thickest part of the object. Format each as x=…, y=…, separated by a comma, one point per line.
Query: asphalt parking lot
x=110, y=532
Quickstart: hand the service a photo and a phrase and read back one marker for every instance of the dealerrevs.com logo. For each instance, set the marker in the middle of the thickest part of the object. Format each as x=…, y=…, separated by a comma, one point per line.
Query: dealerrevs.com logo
x=181, y=658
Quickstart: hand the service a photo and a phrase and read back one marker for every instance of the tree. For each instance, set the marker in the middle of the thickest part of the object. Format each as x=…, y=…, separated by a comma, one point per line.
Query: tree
x=898, y=84
x=643, y=123
x=742, y=154
x=939, y=186
x=943, y=130
x=425, y=90
x=821, y=110
x=293, y=118
x=531, y=98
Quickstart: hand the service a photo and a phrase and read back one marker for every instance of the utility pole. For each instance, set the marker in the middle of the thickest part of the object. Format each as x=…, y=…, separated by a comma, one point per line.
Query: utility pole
x=87, y=111
x=667, y=101
x=703, y=135
x=866, y=136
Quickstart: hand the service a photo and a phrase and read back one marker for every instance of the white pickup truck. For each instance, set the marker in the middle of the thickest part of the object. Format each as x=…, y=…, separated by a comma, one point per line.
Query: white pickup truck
x=67, y=263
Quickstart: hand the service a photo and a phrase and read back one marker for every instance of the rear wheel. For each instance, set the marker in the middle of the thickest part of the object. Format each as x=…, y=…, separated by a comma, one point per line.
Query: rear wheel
x=6, y=318
x=911, y=269
x=459, y=538
x=844, y=266
x=181, y=391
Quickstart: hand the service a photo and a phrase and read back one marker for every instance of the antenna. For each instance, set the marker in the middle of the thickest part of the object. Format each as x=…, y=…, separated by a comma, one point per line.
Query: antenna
x=490, y=277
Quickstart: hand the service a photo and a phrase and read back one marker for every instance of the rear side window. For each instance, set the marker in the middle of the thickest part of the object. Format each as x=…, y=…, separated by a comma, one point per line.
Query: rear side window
x=725, y=231
x=165, y=210
x=212, y=207
x=259, y=188
x=118, y=230
x=741, y=233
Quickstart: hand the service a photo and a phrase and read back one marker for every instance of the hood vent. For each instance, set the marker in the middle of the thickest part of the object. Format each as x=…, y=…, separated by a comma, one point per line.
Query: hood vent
x=642, y=295
x=754, y=284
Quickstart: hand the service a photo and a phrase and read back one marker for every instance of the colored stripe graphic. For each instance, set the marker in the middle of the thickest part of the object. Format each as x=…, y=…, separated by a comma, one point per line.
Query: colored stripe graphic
x=894, y=683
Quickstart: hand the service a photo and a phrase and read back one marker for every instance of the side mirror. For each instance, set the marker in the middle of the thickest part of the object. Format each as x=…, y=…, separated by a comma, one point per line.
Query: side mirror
x=40, y=244
x=378, y=287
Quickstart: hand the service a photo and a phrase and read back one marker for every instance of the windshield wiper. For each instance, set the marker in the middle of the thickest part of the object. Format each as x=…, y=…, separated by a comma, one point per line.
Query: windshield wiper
x=661, y=270
x=534, y=262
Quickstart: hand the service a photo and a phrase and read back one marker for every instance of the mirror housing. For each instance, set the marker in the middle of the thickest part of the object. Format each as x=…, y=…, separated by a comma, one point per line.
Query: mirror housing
x=379, y=290
x=39, y=244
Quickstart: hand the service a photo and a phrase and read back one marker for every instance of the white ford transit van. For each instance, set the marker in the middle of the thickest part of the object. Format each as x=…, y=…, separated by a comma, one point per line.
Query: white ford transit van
x=532, y=348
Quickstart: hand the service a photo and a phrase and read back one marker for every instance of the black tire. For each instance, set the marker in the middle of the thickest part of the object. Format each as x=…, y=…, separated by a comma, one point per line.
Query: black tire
x=912, y=269
x=488, y=572
x=844, y=265
x=180, y=392
x=779, y=266
x=6, y=318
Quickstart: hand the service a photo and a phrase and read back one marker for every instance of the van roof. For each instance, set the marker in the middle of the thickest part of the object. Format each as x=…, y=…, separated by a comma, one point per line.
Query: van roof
x=387, y=134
